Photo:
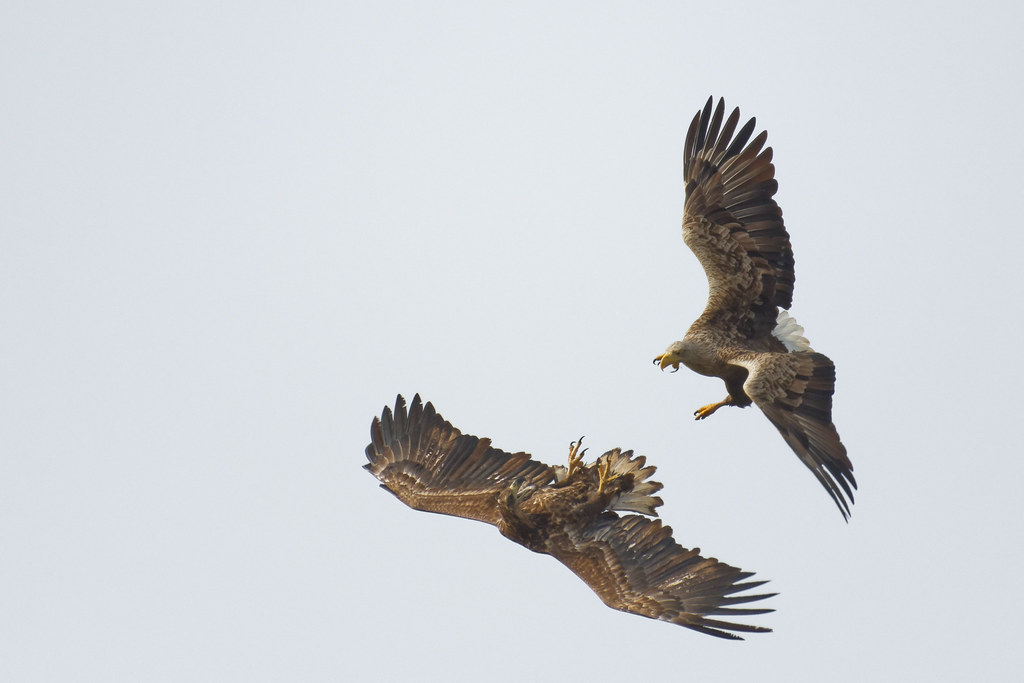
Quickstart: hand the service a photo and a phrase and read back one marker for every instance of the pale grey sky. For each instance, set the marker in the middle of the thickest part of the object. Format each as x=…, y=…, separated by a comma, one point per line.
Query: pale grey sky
x=232, y=233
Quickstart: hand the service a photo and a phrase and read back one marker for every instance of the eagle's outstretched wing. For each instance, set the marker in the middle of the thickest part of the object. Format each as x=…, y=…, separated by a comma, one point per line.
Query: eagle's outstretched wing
x=432, y=466
x=634, y=565
x=795, y=391
x=733, y=225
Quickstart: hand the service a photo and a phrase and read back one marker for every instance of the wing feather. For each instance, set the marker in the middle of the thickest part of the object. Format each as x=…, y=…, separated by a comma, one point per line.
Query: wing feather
x=733, y=225
x=794, y=390
x=634, y=565
x=432, y=466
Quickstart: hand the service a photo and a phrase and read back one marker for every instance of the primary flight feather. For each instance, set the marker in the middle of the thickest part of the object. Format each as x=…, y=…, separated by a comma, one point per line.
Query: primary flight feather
x=571, y=513
x=735, y=228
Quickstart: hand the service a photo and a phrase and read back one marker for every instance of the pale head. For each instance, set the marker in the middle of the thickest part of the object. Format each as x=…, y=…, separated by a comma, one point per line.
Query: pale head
x=675, y=354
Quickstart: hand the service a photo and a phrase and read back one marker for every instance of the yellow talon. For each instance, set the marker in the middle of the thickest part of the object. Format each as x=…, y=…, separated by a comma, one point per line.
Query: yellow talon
x=575, y=456
x=604, y=467
x=709, y=409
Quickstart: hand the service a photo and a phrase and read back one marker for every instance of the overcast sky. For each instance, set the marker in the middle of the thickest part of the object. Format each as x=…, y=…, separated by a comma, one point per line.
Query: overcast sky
x=231, y=233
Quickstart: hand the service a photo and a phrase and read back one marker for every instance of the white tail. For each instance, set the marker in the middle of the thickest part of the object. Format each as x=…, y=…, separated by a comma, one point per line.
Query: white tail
x=790, y=333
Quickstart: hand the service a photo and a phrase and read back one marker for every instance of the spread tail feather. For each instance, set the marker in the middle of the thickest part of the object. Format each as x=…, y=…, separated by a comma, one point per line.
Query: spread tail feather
x=639, y=498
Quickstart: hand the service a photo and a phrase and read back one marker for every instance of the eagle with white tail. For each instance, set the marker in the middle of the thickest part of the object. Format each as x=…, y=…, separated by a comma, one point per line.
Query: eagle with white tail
x=570, y=513
x=733, y=225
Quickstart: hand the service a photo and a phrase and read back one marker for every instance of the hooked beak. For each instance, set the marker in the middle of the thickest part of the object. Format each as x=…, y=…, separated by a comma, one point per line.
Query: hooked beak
x=666, y=359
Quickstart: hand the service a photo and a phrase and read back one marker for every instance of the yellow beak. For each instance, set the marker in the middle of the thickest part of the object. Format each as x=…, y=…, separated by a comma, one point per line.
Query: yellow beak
x=666, y=359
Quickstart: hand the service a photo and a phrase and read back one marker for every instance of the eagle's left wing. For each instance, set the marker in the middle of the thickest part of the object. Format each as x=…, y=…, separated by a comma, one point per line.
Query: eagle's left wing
x=733, y=225
x=794, y=390
x=634, y=565
x=432, y=466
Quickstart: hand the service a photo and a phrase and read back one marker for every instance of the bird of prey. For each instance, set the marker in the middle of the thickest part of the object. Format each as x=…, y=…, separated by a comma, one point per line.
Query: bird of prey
x=745, y=336
x=570, y=513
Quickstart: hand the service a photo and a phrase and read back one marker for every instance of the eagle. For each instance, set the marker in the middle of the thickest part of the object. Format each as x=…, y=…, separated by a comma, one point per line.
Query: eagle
x=745, y=336
x=569, y=512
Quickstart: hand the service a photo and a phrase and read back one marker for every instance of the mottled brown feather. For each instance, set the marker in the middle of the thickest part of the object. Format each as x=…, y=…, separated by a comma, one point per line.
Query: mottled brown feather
x=634, y=565
x=631, y=562
x=432, y=466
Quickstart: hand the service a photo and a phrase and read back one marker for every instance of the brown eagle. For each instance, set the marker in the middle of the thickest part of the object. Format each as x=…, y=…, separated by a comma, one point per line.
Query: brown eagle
x=735, y=228
x=570, y=513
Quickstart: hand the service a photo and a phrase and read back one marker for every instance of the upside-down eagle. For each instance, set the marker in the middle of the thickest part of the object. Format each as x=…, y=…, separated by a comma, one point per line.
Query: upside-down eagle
x=735, y=228
x=570, y=513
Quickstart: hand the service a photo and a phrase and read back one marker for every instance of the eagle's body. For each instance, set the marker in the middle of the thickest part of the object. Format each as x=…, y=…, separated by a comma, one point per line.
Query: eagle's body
x=735, y=228
x=570, y=513
x=541, y=519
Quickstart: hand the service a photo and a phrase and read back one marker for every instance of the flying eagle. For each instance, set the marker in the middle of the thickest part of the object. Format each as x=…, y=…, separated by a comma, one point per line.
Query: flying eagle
x=570, y=513
x=735, y=228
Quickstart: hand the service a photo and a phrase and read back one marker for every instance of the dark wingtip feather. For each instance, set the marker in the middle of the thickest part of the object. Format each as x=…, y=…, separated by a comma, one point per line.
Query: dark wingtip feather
x=729, y=181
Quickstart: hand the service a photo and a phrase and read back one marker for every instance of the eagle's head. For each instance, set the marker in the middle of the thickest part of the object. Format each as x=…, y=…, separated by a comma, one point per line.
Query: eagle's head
x=692, y=353
x=517, y=492
x=515, y=523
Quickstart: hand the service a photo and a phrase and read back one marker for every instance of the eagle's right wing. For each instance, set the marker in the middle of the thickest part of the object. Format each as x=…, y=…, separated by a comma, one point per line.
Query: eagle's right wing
x=634, y=565
x=432, y=466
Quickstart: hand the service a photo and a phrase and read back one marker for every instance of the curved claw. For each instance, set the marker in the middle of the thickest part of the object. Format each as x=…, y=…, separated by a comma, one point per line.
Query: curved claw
x=708, y=410
x=575, y=456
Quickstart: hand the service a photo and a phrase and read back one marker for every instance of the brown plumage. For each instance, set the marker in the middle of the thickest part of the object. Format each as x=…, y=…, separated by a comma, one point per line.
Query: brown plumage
x=630, y=561
x=735, y=228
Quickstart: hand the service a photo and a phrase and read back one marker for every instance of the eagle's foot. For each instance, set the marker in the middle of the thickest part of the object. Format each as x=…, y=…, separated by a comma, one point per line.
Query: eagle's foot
x=575, y=456
x=710, y=408
x=604, y=468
